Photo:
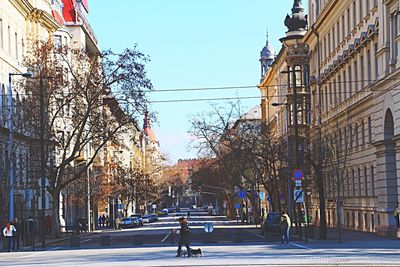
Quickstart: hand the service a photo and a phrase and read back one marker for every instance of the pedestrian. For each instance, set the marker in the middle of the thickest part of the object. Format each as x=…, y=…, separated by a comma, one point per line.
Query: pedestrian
x=99, y=221
x=117, y=222
x=285, y=227
x=48, y=222
x=107, y=220
x=103, y=219
x=396, y=215
x=8, y=232
x=188, y=215
x=17, y=234
x=184, y=238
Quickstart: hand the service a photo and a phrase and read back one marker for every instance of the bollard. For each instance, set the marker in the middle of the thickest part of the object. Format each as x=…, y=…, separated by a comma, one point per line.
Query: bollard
x=74, y=241
x=105, y=240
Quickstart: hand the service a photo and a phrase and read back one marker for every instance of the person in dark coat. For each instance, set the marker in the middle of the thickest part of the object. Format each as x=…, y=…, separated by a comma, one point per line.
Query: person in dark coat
x=17, y=234
x=184, y=237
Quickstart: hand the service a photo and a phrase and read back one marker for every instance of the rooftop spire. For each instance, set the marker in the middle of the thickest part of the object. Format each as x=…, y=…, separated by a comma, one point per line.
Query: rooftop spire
x=298, y=20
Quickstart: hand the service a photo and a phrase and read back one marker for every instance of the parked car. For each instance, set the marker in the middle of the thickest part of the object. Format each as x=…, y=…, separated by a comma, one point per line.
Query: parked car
x=127, y=222
x=271, y=223
x=146, y=218
x=153, y=217
x=139, y=217
x=216, y=212
x=164, y=212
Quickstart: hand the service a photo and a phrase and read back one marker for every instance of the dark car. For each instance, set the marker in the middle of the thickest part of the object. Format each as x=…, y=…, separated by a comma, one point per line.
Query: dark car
x=271, y=223
x=139, y=217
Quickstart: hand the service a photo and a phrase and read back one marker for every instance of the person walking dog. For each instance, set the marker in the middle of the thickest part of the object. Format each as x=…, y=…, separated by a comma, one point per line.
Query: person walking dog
x=184, y=237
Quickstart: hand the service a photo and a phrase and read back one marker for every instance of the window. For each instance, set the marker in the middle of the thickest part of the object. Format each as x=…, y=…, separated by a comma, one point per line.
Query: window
x=350, y=82
x=1, y=34
x=362, y=71
x=340, y=88
x=297, y=76
x=356, y=75
x=376, y=60
x=365, y=181
x=334, y=93
x=362, y=133
x=372, y=222
x=329, y=44
x=354, y=15
x=348, y=21
x=369, y=130
x=16, y=46
x=393, y=41
x=337, y=33
x=343, y=27
x=369, y=66
x=333, y=38
x=348, y=184
x=356, y=135
x=367, y=7
x=353, y=185
x=351, y=136
x=57, y=42
x=372, y=181
x=9, y=40
x=361, y=10
x=359, y=182
x=344, y=85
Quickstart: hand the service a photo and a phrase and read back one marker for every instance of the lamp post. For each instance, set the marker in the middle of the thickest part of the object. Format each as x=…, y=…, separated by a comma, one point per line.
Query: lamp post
x=288, y=155
x=11, y=144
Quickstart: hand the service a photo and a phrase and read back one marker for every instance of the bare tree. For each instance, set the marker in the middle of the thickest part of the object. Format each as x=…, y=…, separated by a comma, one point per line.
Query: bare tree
x=88, y=101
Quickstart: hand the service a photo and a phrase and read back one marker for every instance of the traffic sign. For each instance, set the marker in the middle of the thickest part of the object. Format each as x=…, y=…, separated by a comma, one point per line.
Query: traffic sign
x=298, y=196
x=268, y=198
x=208, y=227
x=298, y=174
x=262, y=196
x=237, y=206
x=297, y=183
x=242, y=194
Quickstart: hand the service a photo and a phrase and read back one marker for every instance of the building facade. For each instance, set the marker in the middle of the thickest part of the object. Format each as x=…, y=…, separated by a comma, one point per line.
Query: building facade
x=349, y=51
x=355, y=61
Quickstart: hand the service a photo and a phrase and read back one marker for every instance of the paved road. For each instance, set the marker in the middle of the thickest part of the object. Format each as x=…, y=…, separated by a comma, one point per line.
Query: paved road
x=164, y=231
x=215, y=255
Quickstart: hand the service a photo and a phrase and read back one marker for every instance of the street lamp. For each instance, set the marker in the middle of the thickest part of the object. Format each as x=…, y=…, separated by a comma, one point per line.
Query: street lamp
x=288, y=155
x=11, y=144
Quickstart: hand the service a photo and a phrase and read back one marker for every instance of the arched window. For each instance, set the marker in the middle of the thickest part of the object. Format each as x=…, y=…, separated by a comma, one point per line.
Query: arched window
x=306, y=73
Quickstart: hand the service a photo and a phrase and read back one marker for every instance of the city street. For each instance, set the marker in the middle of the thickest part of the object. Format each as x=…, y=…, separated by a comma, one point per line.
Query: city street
x=231, y=244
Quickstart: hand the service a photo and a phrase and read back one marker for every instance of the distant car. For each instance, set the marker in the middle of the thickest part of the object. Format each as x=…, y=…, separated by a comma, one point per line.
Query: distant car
x=164, y=212
x=271, y=223
x=179, y=215
x=127, y=222
x=139, y=217
x=171, y=209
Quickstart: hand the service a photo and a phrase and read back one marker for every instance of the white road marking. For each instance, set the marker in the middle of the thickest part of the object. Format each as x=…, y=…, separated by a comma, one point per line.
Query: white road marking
x=87, y=240
x=165, y=238
x=38, y=253
x=300, y=246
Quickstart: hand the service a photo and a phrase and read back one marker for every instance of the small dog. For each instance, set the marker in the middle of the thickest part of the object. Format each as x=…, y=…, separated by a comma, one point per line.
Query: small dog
x=196, y=252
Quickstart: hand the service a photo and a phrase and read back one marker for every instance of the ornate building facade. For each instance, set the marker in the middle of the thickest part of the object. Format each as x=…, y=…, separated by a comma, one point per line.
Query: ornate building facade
x=355, y=62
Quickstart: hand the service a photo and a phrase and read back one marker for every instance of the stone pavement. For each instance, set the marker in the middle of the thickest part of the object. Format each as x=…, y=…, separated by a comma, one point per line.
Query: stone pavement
x=294, y=254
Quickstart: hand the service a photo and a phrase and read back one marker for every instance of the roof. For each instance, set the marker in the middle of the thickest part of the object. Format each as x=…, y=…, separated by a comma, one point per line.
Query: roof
x=147, y=129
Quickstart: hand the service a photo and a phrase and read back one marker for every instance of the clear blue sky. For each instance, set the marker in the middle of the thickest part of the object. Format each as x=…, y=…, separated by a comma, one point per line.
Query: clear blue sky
x=192, y=44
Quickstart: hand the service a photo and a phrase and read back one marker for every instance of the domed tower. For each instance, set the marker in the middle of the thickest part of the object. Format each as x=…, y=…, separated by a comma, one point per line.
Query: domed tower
x=298, y=90
x=267, y=56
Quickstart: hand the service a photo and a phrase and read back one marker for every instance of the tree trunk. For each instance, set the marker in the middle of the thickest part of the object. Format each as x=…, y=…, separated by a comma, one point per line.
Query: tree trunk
x=56, y=213
x=321, y=196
